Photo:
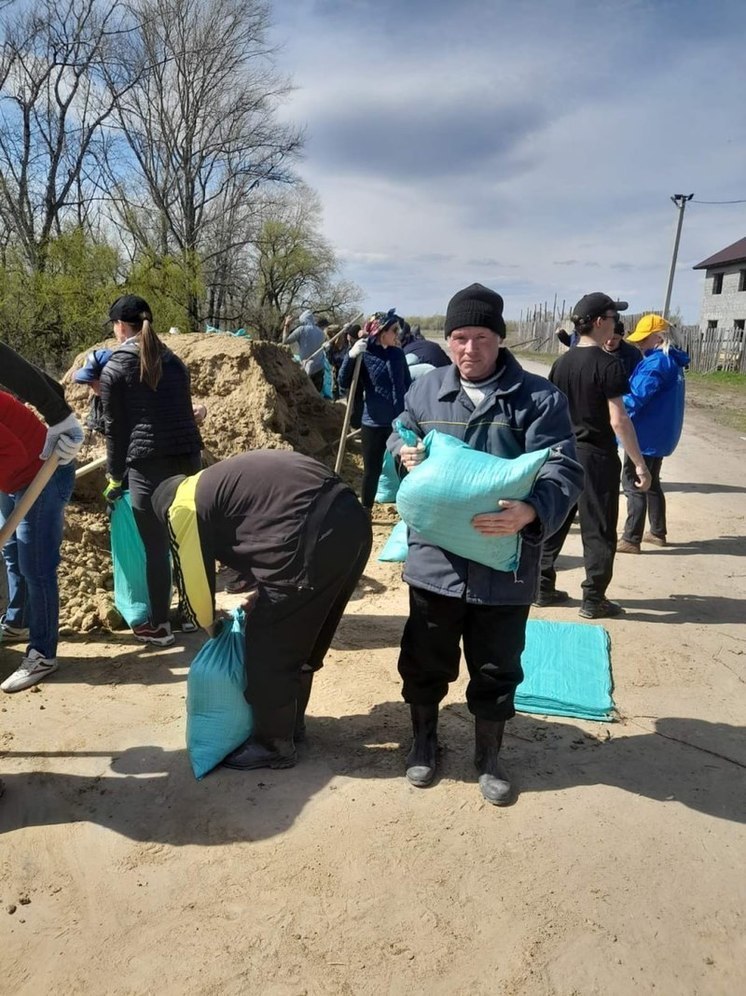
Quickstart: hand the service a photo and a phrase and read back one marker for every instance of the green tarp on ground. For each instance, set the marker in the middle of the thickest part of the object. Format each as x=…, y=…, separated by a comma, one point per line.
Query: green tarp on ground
x=567, y=671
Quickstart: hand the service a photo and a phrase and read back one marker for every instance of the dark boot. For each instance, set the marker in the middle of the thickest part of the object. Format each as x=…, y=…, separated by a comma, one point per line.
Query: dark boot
x=301, y=704
x=422, y=758
x=270, y=745
x=493, y=779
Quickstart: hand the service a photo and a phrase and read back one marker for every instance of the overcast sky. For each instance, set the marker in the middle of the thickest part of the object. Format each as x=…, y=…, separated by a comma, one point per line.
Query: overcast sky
x=532, y=146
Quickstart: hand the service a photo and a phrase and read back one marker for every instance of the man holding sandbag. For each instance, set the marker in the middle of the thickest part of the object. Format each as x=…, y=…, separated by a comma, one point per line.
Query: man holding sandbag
x=298, y=533
x=489, y=402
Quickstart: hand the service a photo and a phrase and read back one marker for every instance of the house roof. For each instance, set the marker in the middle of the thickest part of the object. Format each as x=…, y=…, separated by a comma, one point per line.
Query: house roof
x=731, y=254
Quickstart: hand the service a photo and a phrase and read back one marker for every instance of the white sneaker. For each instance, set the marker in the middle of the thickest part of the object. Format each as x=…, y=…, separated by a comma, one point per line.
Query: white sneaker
x=34, y=668
x=11, y=634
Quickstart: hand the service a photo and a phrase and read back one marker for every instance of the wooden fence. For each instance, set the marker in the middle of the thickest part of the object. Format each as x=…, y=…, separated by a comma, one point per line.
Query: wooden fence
x=709, y=349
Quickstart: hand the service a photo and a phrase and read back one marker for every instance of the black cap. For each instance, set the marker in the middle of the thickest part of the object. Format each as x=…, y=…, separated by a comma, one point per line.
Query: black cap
x=594, y=305
x=476, y=305
x=130, y=309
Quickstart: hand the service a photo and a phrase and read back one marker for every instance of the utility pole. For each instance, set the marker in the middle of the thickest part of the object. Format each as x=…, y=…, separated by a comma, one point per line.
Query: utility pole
x=680, y=200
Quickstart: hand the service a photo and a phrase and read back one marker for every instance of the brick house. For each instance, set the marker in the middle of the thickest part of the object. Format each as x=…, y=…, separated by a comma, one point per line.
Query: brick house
x=724, y=296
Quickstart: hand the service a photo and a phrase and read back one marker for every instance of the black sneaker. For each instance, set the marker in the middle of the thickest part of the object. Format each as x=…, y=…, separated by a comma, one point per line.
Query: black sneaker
x=605, y=609
x=552, y=597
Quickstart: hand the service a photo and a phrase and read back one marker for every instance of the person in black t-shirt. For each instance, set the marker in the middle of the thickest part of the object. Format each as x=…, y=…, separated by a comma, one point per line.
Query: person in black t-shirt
x=627, y=354
x=593, y=382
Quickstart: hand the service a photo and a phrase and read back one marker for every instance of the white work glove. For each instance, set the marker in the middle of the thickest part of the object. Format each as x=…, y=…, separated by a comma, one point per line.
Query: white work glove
x=63, y=439
x=358, y=347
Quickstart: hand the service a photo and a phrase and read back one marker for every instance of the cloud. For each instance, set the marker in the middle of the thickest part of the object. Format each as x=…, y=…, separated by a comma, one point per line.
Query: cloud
x=533, y=147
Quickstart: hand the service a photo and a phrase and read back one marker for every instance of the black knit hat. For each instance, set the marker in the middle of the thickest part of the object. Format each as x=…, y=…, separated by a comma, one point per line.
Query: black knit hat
x=478, y=306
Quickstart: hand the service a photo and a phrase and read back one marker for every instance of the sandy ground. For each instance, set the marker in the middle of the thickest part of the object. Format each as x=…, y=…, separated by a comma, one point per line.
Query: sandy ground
x=619, y=870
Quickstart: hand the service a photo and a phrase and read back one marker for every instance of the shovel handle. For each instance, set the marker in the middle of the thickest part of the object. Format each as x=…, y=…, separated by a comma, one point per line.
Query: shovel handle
x=32, y=492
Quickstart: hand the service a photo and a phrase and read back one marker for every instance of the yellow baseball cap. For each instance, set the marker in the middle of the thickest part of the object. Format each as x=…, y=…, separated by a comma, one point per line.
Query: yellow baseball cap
x=647, y=325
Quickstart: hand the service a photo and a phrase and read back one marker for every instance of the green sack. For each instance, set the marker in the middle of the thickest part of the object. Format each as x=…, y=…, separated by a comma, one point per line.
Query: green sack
x=395, y=548
x=388, y=482
x=440, y=496
x=219, y=718
x=128, y=562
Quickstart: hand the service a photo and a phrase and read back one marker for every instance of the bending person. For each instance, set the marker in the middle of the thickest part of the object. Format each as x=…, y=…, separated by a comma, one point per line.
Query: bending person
x=655, y=404
x=292, y=526
x=151, y=434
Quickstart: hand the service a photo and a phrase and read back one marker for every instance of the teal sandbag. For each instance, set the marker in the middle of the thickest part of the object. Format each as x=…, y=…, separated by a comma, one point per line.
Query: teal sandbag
x=395, y=548
x=218, y=716
x=388, y=482
x=128, y=562
x=567, y=671
x=440, y=496
x=327, y=388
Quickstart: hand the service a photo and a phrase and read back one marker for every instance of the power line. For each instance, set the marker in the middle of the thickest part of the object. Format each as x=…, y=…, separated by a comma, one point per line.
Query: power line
x=697, y=201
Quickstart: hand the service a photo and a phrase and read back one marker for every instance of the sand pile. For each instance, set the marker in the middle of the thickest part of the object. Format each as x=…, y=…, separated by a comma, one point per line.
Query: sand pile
x=256, y=395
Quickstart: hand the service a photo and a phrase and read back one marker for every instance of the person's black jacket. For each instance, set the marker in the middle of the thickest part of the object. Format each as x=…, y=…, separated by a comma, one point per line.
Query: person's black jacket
x=428, y=351
x=141, y=423
x=33, y=386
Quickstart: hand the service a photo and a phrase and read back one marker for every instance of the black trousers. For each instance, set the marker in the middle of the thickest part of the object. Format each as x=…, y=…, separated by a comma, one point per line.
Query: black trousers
x=493, y=636
x=143, y=477
x=641, y=503
x=373, y=439
x=598, y=507
x=317, y=379
x=291, y=629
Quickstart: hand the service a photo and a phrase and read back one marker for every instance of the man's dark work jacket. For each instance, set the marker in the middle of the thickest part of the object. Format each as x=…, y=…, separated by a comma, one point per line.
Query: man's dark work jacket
x=522, y=413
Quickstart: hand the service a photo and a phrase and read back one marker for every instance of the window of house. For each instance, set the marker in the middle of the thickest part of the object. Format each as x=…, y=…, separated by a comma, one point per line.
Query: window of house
x=742, y=280
x=712, y=324
x=717, y=283
x=739, y=325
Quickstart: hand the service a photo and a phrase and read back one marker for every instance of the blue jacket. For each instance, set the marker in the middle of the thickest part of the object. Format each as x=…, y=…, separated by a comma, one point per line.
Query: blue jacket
x=524, y=413
x=655, y=402
x=385, y=377
x=309, y=338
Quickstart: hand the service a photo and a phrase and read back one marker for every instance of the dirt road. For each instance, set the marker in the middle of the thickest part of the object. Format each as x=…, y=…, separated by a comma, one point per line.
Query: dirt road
x=619, y=870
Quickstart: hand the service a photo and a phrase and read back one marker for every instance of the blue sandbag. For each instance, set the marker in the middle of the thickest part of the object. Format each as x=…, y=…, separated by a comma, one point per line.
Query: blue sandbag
x=388, y=482
x=219, y=718
x=128, y=561
x=567, y=671
x=439, y=497
x=395, y=548
x=327, y=388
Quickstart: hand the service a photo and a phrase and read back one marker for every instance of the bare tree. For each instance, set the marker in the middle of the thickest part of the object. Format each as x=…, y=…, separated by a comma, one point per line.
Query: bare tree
x=294, y=265
x=55, y=58
x=201, y=122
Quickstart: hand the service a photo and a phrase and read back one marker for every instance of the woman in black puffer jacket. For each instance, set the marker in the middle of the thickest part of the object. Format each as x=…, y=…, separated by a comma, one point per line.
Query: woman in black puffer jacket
x=151, y=434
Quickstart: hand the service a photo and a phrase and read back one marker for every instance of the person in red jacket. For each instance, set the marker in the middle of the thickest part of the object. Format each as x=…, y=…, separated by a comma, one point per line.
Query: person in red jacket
x=33, y=553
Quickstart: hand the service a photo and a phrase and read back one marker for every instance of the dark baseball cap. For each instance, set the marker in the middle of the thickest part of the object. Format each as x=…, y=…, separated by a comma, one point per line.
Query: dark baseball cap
x=130, y=309
x=94, y=364
x=594, y=305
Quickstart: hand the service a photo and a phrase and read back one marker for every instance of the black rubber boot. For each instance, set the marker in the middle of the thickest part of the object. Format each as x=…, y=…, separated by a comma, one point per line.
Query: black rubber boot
x=301, y=704
x=270, y=745
x=493, y=779
x=422, y=757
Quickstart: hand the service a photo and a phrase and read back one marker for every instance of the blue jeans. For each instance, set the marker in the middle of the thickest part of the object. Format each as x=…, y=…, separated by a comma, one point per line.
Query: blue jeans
x=31, y=560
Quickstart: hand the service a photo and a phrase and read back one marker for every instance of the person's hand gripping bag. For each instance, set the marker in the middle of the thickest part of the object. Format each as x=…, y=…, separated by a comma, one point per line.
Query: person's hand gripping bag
x=218, y=716
x=440, y=496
